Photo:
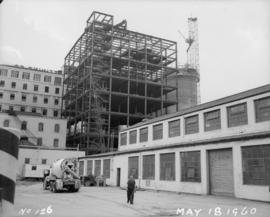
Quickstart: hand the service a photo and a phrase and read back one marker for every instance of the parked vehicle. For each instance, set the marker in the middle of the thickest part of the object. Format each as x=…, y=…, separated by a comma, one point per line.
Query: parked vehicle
x=34, y=171
x=89, y=180
x=63, y=175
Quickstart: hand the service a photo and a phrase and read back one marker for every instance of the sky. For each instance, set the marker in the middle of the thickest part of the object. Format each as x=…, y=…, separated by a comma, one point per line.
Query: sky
x=234, y=35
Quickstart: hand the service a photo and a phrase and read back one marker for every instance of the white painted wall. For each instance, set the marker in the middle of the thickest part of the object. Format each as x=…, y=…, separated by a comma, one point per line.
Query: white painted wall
x=36, y=156
x=48, y=134
x=240, y=190
x=251, y=127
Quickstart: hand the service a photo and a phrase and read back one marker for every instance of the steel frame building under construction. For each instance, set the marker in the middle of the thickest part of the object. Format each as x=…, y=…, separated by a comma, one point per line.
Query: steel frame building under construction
x=114, y=76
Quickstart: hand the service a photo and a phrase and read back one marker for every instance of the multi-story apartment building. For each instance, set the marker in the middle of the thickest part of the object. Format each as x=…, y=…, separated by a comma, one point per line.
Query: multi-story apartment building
x=30, y=90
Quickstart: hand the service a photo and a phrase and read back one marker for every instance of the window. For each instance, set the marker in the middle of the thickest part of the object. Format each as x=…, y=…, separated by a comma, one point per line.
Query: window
x=43, y=161
x=89, y=167
x=34, y=168
x=149, y=167
x=0, y=107
x=34, y=98
x=132, y=136
x=23, y=97
x=37, y=77
x=97, y=167
x=167, y=166
x=237, y=115
x=55, y=142
x=14, y=74
x=12, y=96
x=26, y=75
x=46, y=89
x=27, y=160
x=6, y=123
x=35, y=87
x=123, y=138
x=174, y=128
x=2, y=83
x=56, y=101
x=106, y=168
x=133, y=165
x=3, y=72
x=10, y=108
x=39, y=141
x=34, y=110
x=56, y=128
x=57, y=90
x=22, y=109
x=13, y=84
x=256, y=165
x=144, y=134
x=47, y=78
x=81, y=168
x=40, y=127
x=157, y=131
x=190, y=166
x=24, y=125
x=262, y=109
x=45, y=100
x=57, y=81
x=1, y=95
x=212, y=120
x=192, y=124
x=55, y=113
x=24, y=86
x=44, y=112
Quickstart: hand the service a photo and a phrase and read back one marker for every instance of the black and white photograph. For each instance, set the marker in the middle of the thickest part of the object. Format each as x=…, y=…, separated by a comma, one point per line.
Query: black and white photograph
x=134, y=108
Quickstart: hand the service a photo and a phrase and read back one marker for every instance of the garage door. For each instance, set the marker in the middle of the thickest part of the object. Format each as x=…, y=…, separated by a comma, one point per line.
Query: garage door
x=221, y=172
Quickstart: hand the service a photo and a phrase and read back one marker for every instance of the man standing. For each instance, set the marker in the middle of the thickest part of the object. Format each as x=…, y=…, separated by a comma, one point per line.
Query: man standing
x=131, y=185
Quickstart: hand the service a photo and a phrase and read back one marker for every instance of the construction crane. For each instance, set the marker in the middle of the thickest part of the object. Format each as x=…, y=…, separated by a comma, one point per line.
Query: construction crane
x=193, y=43
x=189, y=40
x=193, y=50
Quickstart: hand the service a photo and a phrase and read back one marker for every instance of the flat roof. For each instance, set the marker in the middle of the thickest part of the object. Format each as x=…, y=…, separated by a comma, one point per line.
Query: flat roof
x=54, y=72
x=225, y=100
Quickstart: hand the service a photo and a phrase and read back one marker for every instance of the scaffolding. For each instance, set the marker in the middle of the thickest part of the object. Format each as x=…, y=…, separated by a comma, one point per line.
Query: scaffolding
x=114, y=76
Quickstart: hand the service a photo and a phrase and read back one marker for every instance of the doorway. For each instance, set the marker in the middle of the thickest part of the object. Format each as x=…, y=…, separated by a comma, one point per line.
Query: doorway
x=221, y=172
x=118, y=177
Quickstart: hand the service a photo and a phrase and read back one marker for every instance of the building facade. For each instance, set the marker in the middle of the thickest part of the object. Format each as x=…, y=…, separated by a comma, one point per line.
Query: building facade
x=31, y=90
x=220, y=148
x=36, y=130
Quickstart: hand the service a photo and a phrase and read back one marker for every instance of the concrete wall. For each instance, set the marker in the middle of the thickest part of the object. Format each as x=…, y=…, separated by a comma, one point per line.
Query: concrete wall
x=251, y=127
x=240, y=190
x=187, y=79
x=48, y=134
x=36, y=156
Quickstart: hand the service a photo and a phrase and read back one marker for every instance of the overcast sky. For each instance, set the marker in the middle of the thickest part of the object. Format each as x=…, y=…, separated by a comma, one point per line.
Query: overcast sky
x=234, y=36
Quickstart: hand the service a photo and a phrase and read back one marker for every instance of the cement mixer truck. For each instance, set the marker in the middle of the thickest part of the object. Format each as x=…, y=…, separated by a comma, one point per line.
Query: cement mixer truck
x=63, y=175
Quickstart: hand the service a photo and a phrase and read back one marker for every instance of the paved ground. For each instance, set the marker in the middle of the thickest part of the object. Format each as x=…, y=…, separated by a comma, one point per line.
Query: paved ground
x=31, y=200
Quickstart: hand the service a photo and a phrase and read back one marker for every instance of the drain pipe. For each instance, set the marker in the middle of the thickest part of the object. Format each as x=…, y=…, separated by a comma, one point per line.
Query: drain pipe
x=140, y=170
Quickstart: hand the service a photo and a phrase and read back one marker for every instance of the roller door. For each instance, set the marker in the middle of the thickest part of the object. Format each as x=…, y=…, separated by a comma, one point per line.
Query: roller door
x=221, y=172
